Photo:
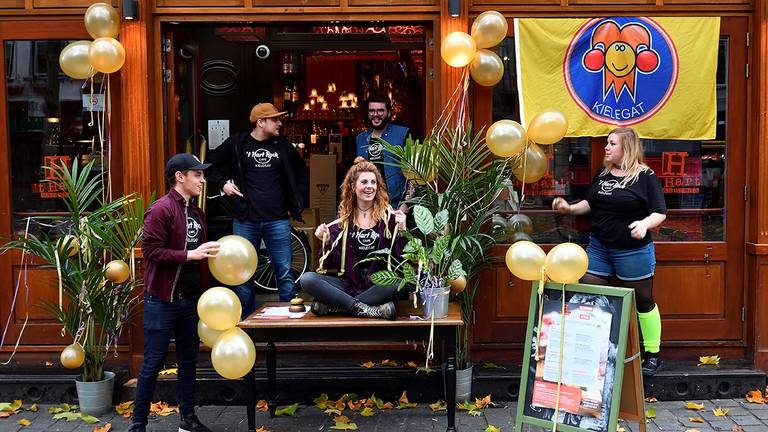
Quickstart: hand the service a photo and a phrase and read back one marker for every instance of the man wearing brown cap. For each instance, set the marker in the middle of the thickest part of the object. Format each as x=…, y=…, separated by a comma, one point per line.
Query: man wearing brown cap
x=265, y=181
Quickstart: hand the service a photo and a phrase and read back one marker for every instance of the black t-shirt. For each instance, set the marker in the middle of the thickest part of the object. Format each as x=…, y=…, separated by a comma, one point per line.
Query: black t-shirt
x=189, y=277
x=364, y=241
x=614, y=208
x=376, y=154
x=265, y=182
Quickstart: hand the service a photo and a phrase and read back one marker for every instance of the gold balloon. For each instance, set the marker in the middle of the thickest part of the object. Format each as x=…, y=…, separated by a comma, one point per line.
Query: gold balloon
x=525, y=260
x=505, y=138
x=487, y=68
x=73, y=356
x=71, y=242
x=102, y=20
x=458, y=285
x=208, y=335
x=532, y=167
x=458, y=49
x=489, y=29
x=233, y=355
x=548, y=127
x=235, y=262
x=106, y=55
x=74, y=60
x=219, y=308
x=117, y=271
x=566, y=263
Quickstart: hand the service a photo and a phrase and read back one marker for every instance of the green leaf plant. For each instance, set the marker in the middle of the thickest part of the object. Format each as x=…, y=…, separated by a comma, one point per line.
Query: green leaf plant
x=93, y=310
x=457, y=180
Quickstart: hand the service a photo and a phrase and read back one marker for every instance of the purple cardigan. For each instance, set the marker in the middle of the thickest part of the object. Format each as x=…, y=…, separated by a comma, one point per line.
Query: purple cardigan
x=350, y=278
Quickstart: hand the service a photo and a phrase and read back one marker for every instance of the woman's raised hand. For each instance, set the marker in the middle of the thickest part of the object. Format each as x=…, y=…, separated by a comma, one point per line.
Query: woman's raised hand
x=400, y=219
x=321, y=231
x=561, y=206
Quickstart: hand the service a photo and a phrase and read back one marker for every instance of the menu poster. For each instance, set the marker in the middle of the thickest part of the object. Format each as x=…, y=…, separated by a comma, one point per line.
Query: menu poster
x=591, y=345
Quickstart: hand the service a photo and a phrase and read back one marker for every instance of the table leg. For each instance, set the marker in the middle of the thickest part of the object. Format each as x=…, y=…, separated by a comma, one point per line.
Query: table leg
x=450, y=377
x=250, y=398
x=272, y=377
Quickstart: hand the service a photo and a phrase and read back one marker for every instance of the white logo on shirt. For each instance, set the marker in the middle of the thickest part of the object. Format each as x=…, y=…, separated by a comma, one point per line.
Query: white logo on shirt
x=262, y=157
x=193, y=230
x=607, y=187
x=366, y=238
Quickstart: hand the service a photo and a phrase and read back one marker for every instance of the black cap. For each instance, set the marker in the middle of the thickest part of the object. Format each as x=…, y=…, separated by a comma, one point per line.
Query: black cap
x=183, y=162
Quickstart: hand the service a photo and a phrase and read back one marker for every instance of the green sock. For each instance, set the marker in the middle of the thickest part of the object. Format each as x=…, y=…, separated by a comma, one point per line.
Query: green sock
x=650, y=326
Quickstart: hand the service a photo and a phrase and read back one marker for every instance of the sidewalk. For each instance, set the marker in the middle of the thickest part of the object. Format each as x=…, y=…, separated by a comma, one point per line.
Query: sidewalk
x=670, y=416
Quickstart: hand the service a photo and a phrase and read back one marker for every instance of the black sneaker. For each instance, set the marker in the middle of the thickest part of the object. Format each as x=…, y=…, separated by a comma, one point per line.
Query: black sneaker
x=651, y=364
x=136, y=427
x=190, y=423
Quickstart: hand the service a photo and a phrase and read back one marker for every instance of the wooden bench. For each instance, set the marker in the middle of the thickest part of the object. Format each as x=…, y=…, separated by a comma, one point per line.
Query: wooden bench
x=311, y=328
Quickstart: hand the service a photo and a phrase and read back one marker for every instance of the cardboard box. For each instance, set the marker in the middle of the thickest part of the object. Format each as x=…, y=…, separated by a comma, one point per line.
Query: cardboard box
x=322, y=186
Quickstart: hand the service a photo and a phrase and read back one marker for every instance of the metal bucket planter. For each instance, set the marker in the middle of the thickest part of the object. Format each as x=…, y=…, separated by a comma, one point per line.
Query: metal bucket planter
x=464, y=384
x=435, y=300
x=95, y=397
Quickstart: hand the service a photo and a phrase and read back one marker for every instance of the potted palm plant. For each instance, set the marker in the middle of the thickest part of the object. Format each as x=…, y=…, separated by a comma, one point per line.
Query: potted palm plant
x=457, y=180
x=97, y=287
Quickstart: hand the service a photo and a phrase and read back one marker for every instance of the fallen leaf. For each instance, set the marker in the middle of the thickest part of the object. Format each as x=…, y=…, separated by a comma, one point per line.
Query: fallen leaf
x=412, y=365
x=33, y=408
x=332, y=411
x=403, y=402
x=465, y=406
x=620, y=428
x=171, y=371
x=24, y=422
x=709, y=360
x=387, y=406
x=262, y=406
x=68, y=416
x=367, y=412
x=168, y=410
x=475, y=413
x=354, y=406
x=321, y=401
x=755, y=396
x=484, y=402
x=367, y=365
x=737, y=428
x=124, y=407
x=89, y=419
x=263, y=429
x=341, y=419
x=389, y=363
x=290, y=410
x=492, y=428
x=694, y=406
x=720, y=412
x=425, y=369
x=4, y=414
x=651, y=399
x=12, y=407
x=650, y=413
x=344, y=426
x=156, y=407
x=438, y=406
x=490, y=365
x=695, y=419
x=104, y=428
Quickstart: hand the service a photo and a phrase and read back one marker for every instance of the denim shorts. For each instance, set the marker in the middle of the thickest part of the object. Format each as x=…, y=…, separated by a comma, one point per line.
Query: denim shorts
x=625, y=264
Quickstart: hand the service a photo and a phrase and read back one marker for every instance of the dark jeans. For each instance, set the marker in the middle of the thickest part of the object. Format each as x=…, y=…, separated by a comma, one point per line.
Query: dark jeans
x=277, y=237
x=329, y=290
x=162, y=321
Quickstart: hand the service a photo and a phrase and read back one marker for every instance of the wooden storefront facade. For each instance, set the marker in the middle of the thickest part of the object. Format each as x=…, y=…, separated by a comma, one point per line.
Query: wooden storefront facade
x=713, y=294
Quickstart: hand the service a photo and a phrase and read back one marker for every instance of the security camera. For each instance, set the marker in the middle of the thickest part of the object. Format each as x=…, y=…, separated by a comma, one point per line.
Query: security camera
x=262, y=51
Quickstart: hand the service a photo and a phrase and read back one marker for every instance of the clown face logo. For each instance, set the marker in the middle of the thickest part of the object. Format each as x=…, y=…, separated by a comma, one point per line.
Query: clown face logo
x=621, y=70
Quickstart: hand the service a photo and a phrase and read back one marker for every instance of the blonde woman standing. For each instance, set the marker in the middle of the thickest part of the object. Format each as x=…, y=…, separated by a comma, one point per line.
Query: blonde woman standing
x=625, y=201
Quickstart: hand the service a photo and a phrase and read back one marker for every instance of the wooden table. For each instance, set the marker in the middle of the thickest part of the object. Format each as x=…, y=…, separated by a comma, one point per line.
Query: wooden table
x=311, y=328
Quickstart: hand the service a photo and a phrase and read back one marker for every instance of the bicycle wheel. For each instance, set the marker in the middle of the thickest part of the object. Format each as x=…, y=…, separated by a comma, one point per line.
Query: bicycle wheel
x=264, y=278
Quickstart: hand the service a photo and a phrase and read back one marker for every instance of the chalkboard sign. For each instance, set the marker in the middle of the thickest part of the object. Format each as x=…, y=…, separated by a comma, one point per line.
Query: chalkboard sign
x=600, y=341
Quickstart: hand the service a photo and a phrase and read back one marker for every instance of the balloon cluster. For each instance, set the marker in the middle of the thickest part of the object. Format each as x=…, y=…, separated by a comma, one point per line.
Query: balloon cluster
x=509, y=139
x=232, y=351
x=460, y=49
x=83, y=59
x=565, y=263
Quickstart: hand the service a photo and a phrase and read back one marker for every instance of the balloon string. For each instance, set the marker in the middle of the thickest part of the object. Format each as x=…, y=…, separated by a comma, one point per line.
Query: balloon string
x=540, y=293
x=108, y=128
x=13, y=303
x=560, y=360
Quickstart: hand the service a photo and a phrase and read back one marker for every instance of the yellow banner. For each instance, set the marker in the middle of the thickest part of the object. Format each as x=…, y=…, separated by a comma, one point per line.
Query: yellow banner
x=656, y=75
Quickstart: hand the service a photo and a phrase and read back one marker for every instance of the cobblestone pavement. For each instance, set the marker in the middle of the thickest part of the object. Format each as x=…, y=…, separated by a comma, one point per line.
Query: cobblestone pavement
x=670, y=416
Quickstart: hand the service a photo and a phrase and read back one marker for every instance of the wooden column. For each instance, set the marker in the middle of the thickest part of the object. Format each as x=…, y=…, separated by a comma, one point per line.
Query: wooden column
x=757, y=229
x=136, y=132
x=449, y=77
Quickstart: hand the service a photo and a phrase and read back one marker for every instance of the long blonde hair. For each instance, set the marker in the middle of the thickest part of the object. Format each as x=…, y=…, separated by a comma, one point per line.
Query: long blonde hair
x=633, y=161
x=349, y=199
